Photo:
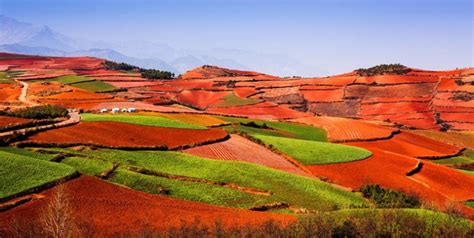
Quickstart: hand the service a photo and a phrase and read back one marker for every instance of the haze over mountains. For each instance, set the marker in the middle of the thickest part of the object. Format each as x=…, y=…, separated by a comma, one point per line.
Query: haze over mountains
x=27, y=38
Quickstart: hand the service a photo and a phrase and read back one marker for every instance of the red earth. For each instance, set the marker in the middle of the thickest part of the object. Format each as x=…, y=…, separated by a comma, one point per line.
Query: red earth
x=6, y=121
x=238, y=148
x=110, y=209
x=413, y=145
x=343, y=130
x=125, y=135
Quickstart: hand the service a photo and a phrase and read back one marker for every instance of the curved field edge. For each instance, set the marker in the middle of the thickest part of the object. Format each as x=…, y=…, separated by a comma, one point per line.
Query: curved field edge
x=291, y=129
x=20, y=175
x=298, y=191
x=145, y=120
x=314, y=152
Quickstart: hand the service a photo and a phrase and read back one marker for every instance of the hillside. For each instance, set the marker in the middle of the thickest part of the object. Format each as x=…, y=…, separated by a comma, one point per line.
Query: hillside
x=232, y=148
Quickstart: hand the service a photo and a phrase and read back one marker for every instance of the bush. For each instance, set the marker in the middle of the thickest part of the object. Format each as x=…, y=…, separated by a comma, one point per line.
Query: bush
x=156, y=74
x=381, y=69
x=119, y=66
x=146, y=73
x=39, y=112
x=387, y=198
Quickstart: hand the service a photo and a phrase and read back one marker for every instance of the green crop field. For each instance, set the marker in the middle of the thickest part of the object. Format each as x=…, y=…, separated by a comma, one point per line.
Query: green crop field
x=4, y=78
x=19, y=173
x=315, y=152
x=469, y=203
x=94, y=86
x=27, y=153
x=71, y=79
x=285, y=129
x=296, y=190
x=454, y=160
x=467, y=171
x=87, y=166
x=140, y=120
x=199, y=192
x=232, y=100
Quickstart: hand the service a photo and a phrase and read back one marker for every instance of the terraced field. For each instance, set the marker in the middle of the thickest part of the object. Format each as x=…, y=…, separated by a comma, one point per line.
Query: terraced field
x=71, y=79
x=125, y=135
x=238, y=148
x=21, y=174
x=94, y=86
x=146, y=120
x=294, y=130
x=345, y=130
x=314, y=152
x=297, y=191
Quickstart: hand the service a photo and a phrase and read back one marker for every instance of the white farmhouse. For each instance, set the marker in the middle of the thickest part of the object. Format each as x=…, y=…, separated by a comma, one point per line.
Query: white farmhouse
x=104, y=110
x=115, y=110
x=132, y=109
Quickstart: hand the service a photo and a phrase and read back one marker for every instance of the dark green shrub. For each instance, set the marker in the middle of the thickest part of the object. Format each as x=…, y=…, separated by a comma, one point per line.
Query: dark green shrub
x=381, y=69
x=39, y=112
x=387, y=198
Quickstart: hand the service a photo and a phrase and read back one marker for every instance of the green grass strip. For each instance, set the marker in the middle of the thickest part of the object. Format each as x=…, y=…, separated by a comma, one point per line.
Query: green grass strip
x=315, y=152
x=140, y=120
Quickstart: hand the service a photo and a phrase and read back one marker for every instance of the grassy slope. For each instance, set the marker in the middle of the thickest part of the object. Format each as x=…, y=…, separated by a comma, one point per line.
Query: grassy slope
x=294, y=130
x=19, y=173
x=94, y=86
x=4, y=78
x=314, y=152
x=454, y=160
x=198, y=192
x=70, y=79
x=27, y=153
x=232, y=100
x=296, y=190
x=140, y=120
x=87, y=166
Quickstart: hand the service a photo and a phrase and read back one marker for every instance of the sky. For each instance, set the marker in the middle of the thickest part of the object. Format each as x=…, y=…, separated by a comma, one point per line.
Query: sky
x=336, y=35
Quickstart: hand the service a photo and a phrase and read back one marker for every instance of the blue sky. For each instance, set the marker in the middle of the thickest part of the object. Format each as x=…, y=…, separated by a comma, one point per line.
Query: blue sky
x=337, y=35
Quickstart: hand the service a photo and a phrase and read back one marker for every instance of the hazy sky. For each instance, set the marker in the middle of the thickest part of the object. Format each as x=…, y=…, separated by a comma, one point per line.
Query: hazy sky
x=338, y=35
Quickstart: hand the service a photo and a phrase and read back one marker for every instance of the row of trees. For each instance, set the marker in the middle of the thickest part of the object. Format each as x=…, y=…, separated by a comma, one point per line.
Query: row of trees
x=146, y=73
x=381, y=69
x=38, y=112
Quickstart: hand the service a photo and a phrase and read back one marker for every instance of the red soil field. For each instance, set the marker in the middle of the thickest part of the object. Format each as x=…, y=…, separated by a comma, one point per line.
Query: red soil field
x=323, y=95
x=467, y=105
x=319, y=87
x=425, y=123
x=343, y=130
x=461, y=139
x=77, y=94
x=139, y=106
x=388, y=169
x=238, y=148
x=372, y=100
x=396, y=79
x=393, y=108
x=276, y=92
x=43, y=74
x=119, y=78
x=133, y=84
x=412, y=145
x=449, y=84
x=397, y=117
x=10, y=121
x=245, y=91
x=109, y=209
x=260, y=111
x=205, y=72
x=125, y=135
x=201, y=98
x=389, y=91
x=458, y=117
x=462, y=126
x=9, y=92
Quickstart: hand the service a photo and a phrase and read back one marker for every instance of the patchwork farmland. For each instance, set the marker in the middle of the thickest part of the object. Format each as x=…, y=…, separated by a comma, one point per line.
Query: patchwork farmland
x=231, y=149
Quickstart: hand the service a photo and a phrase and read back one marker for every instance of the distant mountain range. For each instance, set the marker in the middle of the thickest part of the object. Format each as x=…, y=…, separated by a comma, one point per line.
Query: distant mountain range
x=26, y=38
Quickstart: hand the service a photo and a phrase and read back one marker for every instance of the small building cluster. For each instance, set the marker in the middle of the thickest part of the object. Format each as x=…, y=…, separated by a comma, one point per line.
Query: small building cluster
x=117, y=110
